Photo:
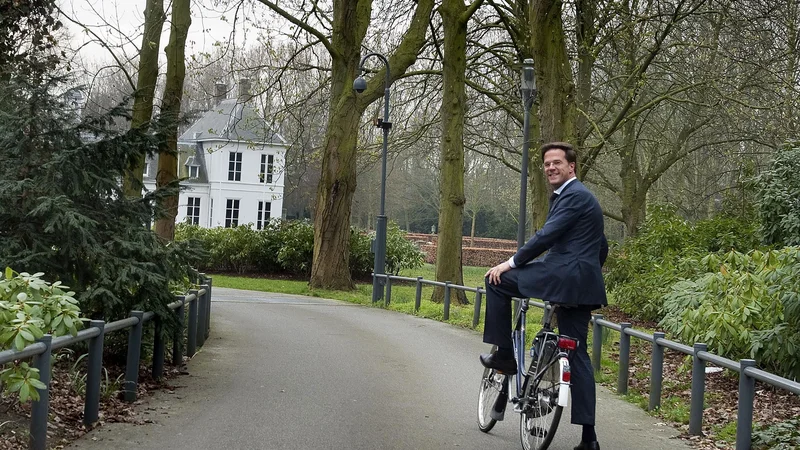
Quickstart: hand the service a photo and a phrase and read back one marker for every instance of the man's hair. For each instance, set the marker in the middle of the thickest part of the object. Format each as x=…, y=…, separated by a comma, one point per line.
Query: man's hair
x=572, y=157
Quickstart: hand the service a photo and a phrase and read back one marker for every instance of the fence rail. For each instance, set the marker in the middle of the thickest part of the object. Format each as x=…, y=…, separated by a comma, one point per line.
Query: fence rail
x=746, y=369
x=199, y=302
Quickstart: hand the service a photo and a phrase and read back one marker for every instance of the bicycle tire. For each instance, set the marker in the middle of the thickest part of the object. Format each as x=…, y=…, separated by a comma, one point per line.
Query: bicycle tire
x=491, y=384
x=539, y=419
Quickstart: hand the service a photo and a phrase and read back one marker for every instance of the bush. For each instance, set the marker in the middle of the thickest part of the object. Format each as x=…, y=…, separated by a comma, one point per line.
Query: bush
x=667, y=250
x=64, y=211
x=288, y=247
x=297, y=247
x=30, y=308
x=777, y=192
x=742, y=306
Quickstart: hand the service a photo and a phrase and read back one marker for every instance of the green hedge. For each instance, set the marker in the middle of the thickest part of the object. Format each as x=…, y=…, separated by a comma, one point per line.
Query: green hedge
x=288, y=247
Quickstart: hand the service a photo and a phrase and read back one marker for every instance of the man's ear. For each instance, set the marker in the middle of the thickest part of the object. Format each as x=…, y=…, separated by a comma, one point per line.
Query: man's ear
x=572, y=167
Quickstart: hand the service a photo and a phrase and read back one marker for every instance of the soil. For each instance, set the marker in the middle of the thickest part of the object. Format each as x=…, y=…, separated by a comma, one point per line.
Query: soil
x=66, y=406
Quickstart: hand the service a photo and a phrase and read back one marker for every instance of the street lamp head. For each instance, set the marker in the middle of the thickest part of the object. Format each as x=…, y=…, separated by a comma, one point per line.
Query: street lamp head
x=360, y=84
x=528, y=77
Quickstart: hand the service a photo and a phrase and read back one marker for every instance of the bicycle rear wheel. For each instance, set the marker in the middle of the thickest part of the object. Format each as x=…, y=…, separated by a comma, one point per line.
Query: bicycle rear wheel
x=541, y=414
x=491, y=386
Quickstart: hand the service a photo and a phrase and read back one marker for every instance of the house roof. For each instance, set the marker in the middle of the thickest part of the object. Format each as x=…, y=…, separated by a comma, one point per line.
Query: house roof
x=231, y=120
x=189, y=155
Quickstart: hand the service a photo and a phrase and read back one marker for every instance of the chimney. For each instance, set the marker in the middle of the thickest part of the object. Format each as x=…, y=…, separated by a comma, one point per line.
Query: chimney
x=244, y=90
x=220, y=92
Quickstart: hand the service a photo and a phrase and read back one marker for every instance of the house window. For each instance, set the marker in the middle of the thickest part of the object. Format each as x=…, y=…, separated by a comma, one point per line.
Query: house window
x=146, y=169
x=235, y=167
x=263, y=214
x=194, y=171
x=267, y=167
x=232, y=213
x=193, y=211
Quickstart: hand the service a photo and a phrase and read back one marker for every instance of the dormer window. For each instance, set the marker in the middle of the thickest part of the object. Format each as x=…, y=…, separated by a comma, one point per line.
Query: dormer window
x=194, y=168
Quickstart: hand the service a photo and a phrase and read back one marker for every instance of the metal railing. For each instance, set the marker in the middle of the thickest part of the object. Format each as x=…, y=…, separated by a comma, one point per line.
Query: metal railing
x=746, y=369
x=199, y=302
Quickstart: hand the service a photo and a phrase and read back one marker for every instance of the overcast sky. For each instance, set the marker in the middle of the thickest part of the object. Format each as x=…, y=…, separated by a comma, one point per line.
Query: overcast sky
x=119, y=22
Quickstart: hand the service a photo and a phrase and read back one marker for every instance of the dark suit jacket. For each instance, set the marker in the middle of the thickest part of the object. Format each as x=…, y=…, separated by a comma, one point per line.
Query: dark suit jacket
x=570, y=272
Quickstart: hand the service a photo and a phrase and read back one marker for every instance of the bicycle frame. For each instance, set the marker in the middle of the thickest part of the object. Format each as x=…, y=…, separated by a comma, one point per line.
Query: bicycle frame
x=518, y=340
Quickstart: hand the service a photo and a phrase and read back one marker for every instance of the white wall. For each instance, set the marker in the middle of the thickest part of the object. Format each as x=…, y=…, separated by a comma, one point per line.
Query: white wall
x=249, y=191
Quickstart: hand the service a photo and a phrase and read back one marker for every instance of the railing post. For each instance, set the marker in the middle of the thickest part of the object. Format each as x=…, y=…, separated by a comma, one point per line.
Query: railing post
x=201, y=318
x=134, y=353
x=597, y=343
x=476, y=315
x=158, y=348
x=624, y=358
x=40, y=408
x=209, y=283
x=191, y=346
x=656, y=371
x=744, y=419
x=698, y=391
x=388, y=290
x=446, y=301
x=177, y=339
x=94, y=369
x=418, y=298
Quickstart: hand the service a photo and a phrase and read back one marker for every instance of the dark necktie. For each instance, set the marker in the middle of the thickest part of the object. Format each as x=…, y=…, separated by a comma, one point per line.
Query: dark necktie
x=553, y=197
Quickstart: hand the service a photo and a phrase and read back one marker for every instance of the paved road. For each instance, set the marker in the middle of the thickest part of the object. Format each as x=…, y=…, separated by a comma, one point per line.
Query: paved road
x=290, y=372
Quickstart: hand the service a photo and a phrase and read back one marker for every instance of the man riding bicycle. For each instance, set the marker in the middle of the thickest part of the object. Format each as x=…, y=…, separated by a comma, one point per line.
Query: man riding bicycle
x=569, y=275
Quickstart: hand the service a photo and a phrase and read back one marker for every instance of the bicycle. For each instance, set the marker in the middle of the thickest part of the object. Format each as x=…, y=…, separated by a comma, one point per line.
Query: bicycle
x=542, y=391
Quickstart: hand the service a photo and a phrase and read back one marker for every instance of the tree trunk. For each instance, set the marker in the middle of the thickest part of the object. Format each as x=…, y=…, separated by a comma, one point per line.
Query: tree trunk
x=331, y=268
x=170, y=110
x=472, y=229
x=556, y=110
x=451, y=184
x=145, y=87
x=585, y=35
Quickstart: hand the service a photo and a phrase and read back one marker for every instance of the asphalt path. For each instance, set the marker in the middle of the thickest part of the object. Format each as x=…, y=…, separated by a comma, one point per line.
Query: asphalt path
x=292, y=372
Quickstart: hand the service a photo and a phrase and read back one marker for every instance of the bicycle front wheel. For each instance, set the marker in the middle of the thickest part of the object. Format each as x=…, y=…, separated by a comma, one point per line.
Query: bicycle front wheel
x=491, y=386
x=541, y=413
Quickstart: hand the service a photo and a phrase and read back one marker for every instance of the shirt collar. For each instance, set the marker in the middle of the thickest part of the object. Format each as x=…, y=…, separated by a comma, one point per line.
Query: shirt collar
x=561, y=188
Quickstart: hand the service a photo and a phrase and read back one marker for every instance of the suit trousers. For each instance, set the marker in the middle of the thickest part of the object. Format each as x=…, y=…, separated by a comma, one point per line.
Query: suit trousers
x=573, y=321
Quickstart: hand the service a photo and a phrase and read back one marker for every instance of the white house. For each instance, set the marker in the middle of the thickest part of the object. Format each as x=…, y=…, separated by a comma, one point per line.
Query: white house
x=233, y=164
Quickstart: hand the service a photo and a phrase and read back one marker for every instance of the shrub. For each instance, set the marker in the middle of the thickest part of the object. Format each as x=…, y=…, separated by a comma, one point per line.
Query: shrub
x=64, y=211
x=297, y=247
x=777, y=192
x=742, y=306
x=667, y=250
x=288, y=247
x=29, y=308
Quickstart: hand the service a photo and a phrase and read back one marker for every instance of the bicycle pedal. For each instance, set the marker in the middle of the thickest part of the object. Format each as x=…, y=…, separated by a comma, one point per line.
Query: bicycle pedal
x=518, y=408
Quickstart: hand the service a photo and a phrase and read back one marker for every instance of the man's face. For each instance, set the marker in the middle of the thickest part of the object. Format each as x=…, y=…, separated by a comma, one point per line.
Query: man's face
x=556, y=168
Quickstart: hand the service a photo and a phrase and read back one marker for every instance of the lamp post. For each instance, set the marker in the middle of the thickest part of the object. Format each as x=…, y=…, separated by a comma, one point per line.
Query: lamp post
x=528, y=88
x=379, y=245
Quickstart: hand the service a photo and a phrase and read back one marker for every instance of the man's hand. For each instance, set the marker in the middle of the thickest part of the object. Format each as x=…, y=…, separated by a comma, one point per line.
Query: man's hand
x=494, y=272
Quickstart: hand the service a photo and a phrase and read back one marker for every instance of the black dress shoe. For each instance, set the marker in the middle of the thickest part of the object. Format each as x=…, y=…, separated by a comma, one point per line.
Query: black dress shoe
x=588, y=446
x=491, y=361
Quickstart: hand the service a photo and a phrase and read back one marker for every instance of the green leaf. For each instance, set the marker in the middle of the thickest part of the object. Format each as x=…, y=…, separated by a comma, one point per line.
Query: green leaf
x=24, y=392
x=19, y=342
